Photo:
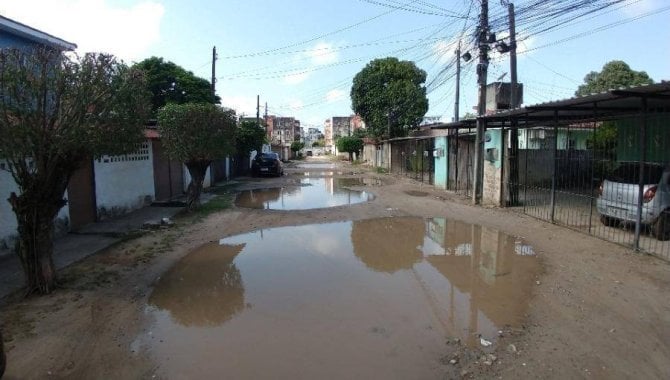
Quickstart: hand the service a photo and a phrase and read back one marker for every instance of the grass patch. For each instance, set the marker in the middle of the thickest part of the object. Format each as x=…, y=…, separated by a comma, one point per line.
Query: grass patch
x=381, y=170
x=219, y=203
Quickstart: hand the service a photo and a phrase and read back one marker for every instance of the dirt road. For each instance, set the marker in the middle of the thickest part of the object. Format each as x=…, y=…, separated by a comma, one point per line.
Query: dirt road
x=591, y=309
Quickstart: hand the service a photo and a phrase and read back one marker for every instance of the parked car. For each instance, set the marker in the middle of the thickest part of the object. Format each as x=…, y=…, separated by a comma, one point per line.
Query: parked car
x=619, y=193
x=267, y=163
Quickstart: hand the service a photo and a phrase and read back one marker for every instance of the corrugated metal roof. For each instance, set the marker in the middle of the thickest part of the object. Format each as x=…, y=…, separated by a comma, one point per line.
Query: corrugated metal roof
x=33, y=34
x=611, y=103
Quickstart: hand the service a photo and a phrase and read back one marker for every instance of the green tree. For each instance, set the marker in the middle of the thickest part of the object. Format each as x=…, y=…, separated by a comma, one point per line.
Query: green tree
x=614, y=74
x=318, y=143
x=297, y=146
x=171, y=83
x=249, y=137
x=56, y=112
x=349, y=144
x=196, y=134
x=360, y=133
x=390, y=96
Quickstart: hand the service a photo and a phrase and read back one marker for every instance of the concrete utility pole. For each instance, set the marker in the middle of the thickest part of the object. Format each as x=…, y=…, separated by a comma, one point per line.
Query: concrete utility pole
x=258, y=110
x=513, y=154
x=458, y=81
x=214, y=57
x=482, y=70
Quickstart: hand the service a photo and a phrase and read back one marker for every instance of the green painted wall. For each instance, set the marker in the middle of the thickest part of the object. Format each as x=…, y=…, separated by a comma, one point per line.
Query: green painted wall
x=658, y=139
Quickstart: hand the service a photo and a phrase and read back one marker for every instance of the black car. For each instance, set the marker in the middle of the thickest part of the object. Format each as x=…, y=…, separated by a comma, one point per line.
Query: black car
x=267, y=163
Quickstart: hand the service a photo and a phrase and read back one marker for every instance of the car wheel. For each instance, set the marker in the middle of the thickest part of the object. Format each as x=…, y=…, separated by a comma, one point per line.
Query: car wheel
x=661, y=229
x=608, y=221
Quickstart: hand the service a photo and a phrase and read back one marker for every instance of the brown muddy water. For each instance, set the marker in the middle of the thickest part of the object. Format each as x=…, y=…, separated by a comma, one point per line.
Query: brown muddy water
x=309, y=194
x=373, y=298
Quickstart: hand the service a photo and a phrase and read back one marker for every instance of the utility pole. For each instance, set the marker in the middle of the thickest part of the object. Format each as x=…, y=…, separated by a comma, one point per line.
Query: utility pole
x=513, y=154
x=214, y=57
x=482, y=70
x=258, y=110
x=458, y=81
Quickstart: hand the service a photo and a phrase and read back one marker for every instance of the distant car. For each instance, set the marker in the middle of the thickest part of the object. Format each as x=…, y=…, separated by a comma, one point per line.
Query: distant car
x=618, y=197
x=267, y=164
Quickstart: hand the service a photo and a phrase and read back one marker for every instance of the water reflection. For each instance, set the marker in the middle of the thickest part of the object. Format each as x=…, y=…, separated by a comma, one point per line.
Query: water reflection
x=348, y=299
x=313, y=193
x=204, y=288
x=388, y=245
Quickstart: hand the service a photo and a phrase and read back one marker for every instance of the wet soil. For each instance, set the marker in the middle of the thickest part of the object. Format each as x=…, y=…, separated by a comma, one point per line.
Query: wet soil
x=584, y=308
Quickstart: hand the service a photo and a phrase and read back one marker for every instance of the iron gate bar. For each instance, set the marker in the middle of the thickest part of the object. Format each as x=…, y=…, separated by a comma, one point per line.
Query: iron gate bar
x=640, y=190
x=591, y=184
x=553, y=174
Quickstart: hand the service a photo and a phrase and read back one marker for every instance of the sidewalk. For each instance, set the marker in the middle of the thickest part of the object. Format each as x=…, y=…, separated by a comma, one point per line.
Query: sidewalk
x=88, y=240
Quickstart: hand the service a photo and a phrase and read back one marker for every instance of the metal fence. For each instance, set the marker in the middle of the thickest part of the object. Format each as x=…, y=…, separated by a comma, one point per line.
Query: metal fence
x=460, y=161
x=608, y=178
x=414, y=158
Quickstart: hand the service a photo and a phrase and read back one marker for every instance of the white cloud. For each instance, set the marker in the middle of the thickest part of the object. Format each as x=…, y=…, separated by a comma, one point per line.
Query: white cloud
x=295, y=78
x=296, y=104
x=241, y=104
x=335, y=95
x=322, y=54
x=94, y=25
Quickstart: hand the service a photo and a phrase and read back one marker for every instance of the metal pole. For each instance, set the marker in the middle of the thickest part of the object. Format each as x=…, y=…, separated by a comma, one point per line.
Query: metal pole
x=482, y=70
x=214, y=74
x=513, y=156
x=553, y=174
x=643, y=158
x=458, y=82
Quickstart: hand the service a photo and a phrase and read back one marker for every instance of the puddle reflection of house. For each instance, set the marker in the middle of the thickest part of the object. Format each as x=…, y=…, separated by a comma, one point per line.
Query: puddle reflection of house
x=496, y=278
x=388, y=244
x=204, y=288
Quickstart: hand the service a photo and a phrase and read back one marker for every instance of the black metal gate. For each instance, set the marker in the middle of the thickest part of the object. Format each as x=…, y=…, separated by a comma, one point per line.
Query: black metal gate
x=460, y=161
x=607, y=178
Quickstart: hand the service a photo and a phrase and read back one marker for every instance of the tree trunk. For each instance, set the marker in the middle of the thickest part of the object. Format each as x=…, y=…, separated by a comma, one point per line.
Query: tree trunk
x=197, y=170
x=35, y=245
x=351, y=156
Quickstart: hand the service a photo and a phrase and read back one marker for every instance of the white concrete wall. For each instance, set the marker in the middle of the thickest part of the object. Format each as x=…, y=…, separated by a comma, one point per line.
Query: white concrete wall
x=124, y=183
x=207, y=182
x=8, y=224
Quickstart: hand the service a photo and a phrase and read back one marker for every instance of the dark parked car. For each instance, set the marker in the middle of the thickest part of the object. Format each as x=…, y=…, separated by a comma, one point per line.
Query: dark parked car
x=267, y=163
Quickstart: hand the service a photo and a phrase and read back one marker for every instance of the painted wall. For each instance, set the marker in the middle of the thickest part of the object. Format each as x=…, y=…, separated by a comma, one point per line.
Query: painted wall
x=658, y=139
x=8, y=40
x=492, y=167
x=441, y=163
x=124, y=183
x=207, y=182
x=8, y=224
x=528, y=138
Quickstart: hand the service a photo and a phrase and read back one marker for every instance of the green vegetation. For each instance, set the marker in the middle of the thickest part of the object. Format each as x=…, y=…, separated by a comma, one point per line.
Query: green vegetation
x=381, y=170
x=62, y=110
x=249, y=137
x=350, y=145
x=170, y=83
x=390, y=96
x=297, y=146
x=196, y=134
x=614, y=74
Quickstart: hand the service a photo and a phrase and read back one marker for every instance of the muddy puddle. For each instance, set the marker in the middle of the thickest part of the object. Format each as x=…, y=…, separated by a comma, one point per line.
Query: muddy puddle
x=365, y=299
x=309, y=194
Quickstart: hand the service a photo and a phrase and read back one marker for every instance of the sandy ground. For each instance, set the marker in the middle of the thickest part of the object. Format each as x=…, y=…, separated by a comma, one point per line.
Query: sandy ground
x=598, y=310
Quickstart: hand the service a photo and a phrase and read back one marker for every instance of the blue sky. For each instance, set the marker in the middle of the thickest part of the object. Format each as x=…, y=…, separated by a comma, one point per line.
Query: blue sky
x=300, y=56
